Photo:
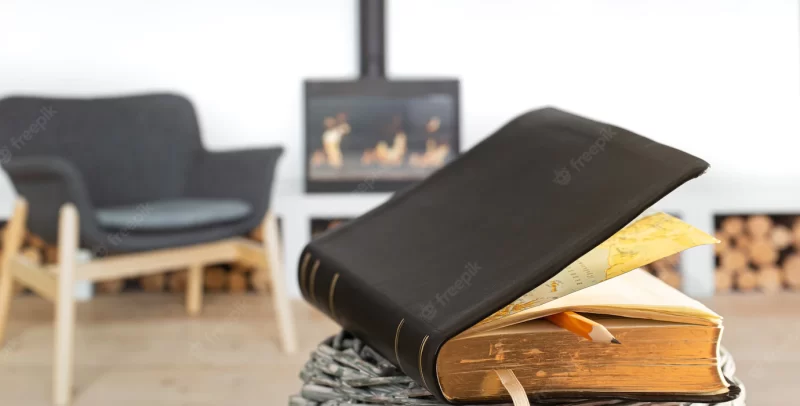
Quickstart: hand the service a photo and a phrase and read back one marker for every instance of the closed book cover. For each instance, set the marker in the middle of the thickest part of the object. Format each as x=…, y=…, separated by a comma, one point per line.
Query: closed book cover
x=499, y=221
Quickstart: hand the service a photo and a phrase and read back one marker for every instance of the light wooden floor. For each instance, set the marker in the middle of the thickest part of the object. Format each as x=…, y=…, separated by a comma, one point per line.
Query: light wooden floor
x=763, y=334
x=141, y=349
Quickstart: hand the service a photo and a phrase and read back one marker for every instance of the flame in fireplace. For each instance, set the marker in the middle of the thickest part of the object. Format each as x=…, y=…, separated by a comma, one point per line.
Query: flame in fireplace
x=335, y=129
x=434, y=156
x=386, y=155
x=383, y=153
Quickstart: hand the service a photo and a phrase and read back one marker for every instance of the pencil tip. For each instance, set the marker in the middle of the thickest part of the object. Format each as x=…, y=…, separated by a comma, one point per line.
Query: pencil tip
x=615, y=341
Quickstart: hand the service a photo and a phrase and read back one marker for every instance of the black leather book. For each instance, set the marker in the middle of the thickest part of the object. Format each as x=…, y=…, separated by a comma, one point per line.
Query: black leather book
x=510, y=213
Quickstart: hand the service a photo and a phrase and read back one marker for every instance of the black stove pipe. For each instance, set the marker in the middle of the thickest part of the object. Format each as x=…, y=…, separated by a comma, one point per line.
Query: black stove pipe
x=372, y=39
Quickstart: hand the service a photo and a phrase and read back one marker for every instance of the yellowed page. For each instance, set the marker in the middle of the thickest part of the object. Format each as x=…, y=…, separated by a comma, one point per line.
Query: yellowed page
x=635, y=294
x=647, y=239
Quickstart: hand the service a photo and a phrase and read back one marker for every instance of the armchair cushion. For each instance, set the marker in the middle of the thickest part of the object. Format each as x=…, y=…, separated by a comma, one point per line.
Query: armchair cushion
x=173, y=214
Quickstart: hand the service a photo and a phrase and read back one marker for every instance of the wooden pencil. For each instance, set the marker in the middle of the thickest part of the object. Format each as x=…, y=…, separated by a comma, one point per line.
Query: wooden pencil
x=582, y=326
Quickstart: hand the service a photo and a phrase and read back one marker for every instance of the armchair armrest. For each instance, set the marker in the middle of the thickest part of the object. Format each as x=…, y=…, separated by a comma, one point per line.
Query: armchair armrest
x=243, y=174
x=47, y=183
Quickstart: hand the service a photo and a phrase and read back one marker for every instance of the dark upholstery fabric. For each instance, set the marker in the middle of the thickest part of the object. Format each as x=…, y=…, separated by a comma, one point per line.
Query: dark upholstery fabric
x=175, y=214
x=125, y=151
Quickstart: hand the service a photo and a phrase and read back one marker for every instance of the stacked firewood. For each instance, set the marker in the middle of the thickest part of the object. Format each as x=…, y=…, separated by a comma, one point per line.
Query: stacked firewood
x=667, y=269
x=37, y=251
x=758, y=253
x=231, y=278
x=222, y=278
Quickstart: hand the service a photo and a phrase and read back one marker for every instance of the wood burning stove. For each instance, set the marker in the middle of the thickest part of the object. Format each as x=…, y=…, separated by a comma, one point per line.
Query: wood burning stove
x=375, y=134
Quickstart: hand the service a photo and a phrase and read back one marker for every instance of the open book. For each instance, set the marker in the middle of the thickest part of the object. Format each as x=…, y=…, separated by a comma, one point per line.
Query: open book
x=647, y=239
x=449, y=279
x=670, y=341
x=668, y=359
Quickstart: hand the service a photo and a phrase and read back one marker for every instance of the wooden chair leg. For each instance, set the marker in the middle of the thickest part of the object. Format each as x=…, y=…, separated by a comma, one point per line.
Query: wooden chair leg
x=194, y=289
x=65, y=305
x=6, y=293
x=14, y=235
x=280, y=296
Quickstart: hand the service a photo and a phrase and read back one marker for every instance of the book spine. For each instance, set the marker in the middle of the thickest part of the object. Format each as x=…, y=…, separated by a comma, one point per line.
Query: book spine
x=330, y=288
x=318, y=279
x=338, y=293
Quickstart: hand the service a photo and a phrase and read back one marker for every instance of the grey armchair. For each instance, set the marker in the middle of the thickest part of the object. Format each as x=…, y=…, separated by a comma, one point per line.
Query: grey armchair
x=128, y=179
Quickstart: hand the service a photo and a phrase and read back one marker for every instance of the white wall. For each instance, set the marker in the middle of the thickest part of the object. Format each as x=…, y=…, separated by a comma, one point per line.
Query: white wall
x=719, y=78
x=709, y=76
x=241, y=62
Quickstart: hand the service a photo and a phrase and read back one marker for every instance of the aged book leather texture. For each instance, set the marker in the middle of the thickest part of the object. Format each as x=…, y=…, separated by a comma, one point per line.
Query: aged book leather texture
x=495, y=223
